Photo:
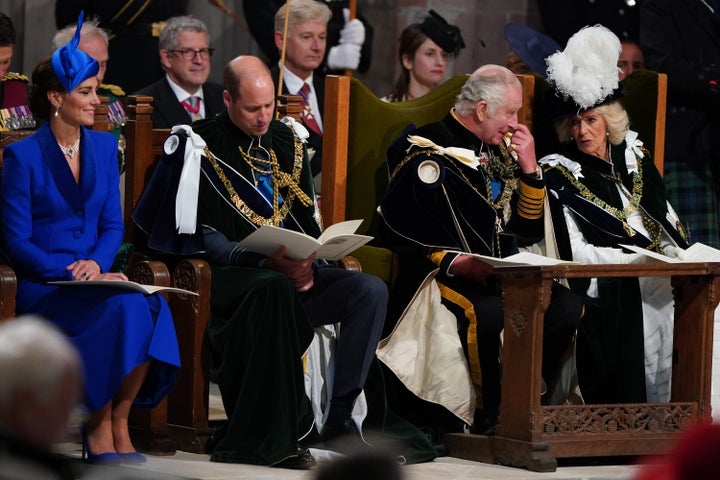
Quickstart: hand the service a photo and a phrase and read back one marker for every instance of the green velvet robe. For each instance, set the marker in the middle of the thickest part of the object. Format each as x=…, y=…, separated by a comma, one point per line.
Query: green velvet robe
x=258, y=330
x=610, y=355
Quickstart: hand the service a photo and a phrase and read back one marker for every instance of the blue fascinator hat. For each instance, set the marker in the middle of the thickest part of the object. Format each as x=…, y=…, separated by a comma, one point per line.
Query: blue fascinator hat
x=73, y=66
x=531, y=46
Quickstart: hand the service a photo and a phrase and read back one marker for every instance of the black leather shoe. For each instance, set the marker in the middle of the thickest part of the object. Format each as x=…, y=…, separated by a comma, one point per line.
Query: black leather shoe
x=485, y=422
x=343, y=437
x=302, y=461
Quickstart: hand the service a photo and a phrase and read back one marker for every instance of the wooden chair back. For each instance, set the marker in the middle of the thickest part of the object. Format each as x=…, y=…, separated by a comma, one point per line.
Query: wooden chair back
x=187, y=405
x=646, y=104
x=143, y=145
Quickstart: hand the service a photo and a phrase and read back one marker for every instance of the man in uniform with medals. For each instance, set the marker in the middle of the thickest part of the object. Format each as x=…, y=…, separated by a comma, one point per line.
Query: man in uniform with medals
x=14, y=110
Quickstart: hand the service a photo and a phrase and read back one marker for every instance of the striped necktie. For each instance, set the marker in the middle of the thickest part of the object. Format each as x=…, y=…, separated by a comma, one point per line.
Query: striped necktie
x=192, y=105
x=307, y=116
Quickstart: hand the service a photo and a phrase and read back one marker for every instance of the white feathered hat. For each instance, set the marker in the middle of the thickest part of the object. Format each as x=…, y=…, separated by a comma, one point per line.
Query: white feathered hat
x=586, y=71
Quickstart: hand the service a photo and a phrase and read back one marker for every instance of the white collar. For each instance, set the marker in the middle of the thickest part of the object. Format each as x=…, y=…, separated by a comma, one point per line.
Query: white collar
x=181, y=93
x=293, y=83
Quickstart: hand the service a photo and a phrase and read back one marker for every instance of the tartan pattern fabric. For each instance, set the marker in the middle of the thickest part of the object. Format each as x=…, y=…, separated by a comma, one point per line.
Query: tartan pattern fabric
x=695, y=196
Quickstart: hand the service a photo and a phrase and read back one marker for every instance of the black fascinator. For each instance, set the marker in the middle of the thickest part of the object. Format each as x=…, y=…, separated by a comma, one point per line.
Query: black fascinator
x=441, y=32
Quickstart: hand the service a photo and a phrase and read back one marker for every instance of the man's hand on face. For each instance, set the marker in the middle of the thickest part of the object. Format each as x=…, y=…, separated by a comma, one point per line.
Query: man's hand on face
x=522, y=144
x=300, y=272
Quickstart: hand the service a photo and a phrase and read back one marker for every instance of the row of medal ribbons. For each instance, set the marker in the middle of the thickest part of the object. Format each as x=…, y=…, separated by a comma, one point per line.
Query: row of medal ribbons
x=16, y=118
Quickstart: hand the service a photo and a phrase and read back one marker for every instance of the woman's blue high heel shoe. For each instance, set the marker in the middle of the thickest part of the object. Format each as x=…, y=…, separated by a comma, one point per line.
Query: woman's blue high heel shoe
x=132, y=458
x=89, y=457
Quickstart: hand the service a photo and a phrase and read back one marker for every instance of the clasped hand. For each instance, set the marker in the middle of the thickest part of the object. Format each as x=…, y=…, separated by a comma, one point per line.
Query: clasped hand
x=300, y=272
x=90, y=270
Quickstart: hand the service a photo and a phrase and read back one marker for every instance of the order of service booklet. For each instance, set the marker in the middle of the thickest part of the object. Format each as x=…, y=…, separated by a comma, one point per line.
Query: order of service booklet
x=335, y=242
x=122, y=284
x=695, y=253
x=522, y=259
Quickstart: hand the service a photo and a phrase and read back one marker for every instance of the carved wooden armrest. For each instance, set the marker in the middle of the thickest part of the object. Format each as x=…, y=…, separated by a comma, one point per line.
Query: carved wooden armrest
x=149, y=272
x=8, y=291
x=350, y=263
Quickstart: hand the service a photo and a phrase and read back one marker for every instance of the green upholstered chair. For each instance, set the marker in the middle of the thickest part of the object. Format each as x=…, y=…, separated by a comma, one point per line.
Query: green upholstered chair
x=359, y=127
x=646, y=104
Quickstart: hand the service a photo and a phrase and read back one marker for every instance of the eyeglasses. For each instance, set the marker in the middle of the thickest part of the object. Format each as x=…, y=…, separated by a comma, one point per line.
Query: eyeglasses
x=189, y=53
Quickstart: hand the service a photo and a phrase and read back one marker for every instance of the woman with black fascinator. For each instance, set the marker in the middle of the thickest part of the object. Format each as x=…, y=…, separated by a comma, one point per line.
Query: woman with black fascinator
x=424, y=51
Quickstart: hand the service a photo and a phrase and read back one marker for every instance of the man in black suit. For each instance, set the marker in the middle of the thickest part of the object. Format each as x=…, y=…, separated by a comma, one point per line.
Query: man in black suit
x=343, y=35
x=305, y=44
x=133, y=29
x=184, y=95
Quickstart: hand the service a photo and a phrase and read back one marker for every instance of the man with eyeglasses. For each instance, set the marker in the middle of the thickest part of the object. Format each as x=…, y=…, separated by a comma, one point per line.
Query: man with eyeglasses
x=184, y=94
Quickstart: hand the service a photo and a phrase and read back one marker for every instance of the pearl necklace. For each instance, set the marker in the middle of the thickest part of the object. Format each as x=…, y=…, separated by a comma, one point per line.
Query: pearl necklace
x=71, y=150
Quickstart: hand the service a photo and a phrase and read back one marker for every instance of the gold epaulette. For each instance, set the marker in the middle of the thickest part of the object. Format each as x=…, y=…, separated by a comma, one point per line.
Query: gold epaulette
x=15, y=76
x=114, y=89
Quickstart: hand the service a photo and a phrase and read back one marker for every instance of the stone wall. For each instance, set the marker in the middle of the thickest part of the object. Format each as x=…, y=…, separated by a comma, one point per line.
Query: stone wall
x=481, y=23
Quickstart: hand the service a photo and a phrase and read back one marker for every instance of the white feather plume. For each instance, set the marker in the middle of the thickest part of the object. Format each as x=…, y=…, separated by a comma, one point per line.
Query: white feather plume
x=586, y=70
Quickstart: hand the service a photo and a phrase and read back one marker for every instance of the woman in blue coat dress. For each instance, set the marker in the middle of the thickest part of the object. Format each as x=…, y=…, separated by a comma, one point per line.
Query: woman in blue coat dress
x=61, y=220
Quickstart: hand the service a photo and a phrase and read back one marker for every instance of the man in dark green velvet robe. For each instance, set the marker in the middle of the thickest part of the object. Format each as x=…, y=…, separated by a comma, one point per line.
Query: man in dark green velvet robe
x=457, y=189
x=264, y=308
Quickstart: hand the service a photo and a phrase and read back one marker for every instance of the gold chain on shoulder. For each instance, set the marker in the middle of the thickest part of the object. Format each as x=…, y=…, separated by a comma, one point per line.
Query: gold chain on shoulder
x=280, y=180
x=620, y=214
x=234, y=197
x=504, y=170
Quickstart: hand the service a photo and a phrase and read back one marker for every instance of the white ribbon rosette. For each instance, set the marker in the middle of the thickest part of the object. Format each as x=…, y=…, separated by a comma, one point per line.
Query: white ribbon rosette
x=465, y=155
x=632, y=151
x=186, y=200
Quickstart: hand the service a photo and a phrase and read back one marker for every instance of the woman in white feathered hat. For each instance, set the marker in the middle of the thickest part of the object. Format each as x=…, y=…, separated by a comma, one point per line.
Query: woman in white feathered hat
x=605, y=191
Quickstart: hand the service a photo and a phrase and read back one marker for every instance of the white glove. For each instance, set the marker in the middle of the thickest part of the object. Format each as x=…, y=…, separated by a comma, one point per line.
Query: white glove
x=634, y=258
x=353, y=32
x=345, y=56
x=674, y=252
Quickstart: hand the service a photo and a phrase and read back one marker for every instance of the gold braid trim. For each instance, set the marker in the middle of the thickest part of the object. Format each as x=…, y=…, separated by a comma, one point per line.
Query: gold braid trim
x=234, y=197
x=437, y=257
x=531, y=201
x=280, y=180
x=140, y=10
